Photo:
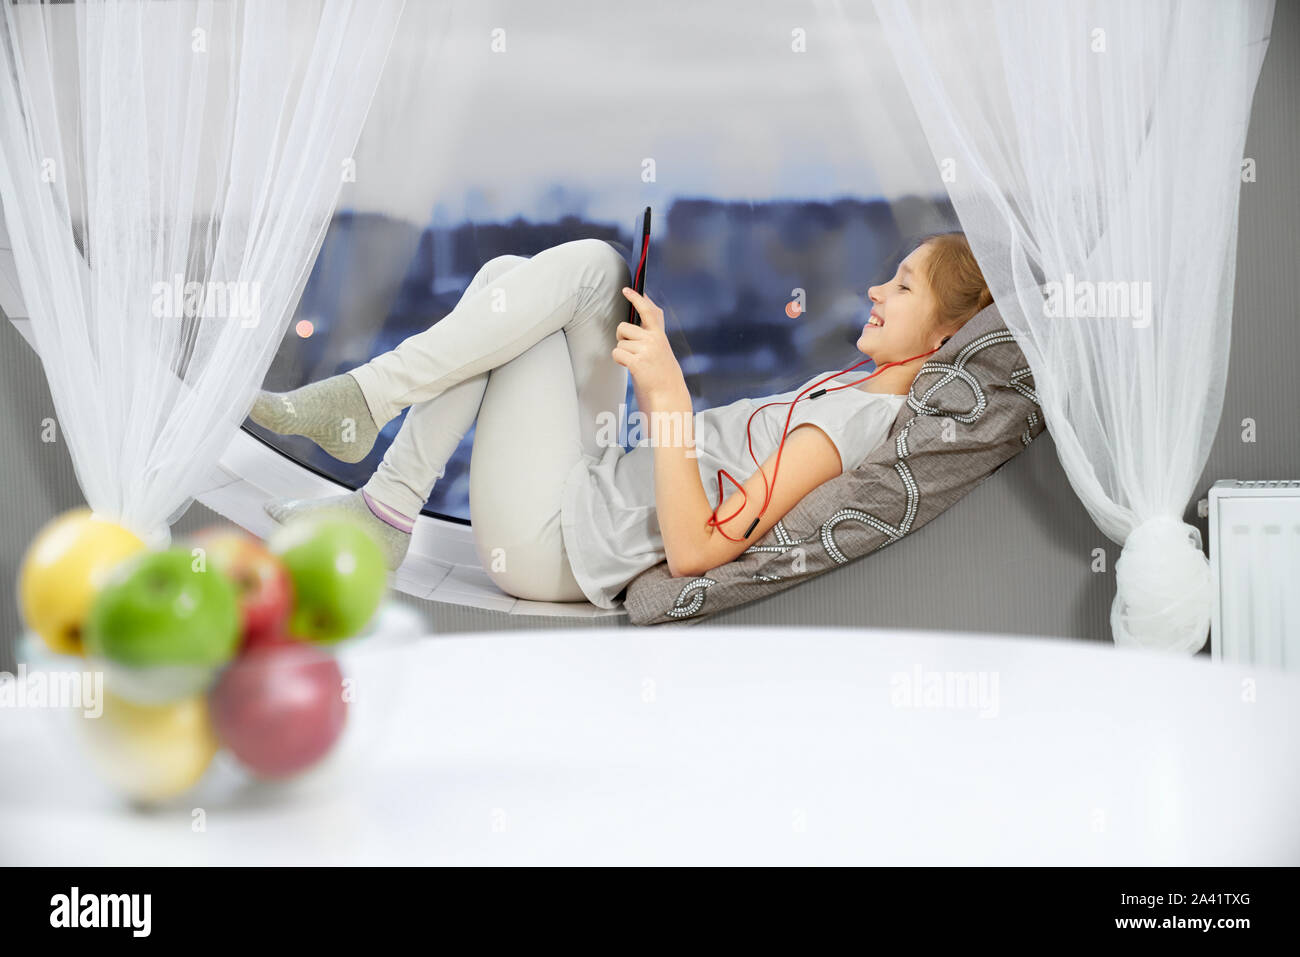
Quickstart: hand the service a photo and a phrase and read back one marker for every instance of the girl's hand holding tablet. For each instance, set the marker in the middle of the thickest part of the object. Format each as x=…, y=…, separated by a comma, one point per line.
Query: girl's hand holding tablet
x=644, y=351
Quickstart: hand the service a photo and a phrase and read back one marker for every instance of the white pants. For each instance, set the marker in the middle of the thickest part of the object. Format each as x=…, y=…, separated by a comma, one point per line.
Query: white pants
x=526, y=352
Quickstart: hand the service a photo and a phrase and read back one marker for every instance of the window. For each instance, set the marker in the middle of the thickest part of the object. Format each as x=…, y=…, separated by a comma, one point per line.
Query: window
x=768, y=170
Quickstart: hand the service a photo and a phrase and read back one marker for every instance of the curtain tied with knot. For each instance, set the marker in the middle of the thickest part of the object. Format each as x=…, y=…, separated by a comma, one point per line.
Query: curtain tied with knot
x=167, y=172
x=1162, y=586
x=1093, y=153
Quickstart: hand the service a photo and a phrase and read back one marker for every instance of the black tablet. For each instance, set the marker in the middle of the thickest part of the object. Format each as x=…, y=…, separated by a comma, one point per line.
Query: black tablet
x=638, y=281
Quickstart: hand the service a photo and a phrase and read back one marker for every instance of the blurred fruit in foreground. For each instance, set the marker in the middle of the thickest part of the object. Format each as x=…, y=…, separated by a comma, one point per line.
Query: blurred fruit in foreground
x=66, y=564
x=162, y=627
x=338, y=572
x=260, y=579
x=151, y=753
x=279, y=709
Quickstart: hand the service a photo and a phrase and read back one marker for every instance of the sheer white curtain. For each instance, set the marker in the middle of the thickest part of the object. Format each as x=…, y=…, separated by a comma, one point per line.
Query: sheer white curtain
x=1093, y=153
x=167, y=172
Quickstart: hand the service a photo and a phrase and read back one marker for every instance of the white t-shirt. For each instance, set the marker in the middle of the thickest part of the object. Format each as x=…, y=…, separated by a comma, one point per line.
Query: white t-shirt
x=611, y=527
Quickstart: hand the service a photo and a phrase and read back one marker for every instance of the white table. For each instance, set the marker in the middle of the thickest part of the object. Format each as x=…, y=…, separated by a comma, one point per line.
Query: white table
x=725, y=745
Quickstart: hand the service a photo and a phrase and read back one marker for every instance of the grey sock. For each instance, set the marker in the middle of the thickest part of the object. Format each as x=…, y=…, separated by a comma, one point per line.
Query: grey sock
x=332, y=413
x=393, y=541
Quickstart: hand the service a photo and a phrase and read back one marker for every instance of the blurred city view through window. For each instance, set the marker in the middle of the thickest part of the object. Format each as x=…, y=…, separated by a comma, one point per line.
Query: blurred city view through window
x=724, y=272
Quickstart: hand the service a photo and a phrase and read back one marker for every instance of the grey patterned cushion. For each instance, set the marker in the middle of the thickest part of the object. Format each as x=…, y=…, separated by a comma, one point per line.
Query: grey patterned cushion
x=971, y=408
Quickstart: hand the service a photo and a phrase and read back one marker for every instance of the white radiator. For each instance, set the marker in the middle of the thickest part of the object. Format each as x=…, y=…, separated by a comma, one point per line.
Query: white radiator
x=1255, y=561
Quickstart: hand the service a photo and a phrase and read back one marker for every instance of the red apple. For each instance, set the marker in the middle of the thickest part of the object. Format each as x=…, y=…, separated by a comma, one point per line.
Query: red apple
x=263, y=583
x=269, y=638
x=279, y=708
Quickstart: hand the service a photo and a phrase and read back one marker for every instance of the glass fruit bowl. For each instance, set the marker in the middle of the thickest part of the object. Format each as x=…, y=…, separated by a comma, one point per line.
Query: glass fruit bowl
x=279, y=723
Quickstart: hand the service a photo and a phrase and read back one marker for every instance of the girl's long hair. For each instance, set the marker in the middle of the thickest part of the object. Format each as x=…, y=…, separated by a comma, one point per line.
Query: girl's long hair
x=955, y=277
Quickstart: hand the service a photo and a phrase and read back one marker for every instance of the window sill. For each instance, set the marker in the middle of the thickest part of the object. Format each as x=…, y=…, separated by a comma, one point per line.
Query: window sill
x=441, y=565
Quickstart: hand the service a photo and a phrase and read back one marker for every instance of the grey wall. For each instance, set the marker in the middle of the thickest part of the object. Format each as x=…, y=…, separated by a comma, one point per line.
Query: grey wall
x=1014, y=556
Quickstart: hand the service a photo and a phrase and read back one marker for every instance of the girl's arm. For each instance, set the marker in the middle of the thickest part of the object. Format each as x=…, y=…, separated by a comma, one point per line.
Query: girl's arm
x=680, y=502
x=809, y=459
x=692, y=546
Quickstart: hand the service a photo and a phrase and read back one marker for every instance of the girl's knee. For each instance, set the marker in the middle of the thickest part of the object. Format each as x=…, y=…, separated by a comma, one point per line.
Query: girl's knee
x=505, y=260
x=608, y=264
x=495, y=268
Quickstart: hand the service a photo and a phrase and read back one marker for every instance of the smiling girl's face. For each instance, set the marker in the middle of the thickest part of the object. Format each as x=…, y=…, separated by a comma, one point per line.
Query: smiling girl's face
x=903, y=311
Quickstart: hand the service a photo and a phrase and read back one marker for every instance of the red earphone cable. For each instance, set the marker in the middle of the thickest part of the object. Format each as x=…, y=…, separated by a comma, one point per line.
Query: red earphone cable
x=716, y=522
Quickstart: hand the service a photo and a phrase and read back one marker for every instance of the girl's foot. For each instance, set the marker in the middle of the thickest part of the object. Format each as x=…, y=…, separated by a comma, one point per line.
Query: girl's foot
x=332, y=413
x=392, y=540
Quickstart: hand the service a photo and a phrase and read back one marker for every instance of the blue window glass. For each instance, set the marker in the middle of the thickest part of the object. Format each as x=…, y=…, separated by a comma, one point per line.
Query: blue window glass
x=724, y=273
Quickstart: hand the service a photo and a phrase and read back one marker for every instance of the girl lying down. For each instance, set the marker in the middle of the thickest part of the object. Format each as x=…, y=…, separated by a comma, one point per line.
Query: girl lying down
x=537, y=354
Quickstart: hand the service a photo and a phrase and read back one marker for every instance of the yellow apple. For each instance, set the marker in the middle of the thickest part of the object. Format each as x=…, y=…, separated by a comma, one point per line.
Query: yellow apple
x=151, y=752
x=65, y=566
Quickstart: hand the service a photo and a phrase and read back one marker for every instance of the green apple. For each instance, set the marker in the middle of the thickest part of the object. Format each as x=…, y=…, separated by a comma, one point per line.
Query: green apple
x=158, y=611
x=338, y=571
